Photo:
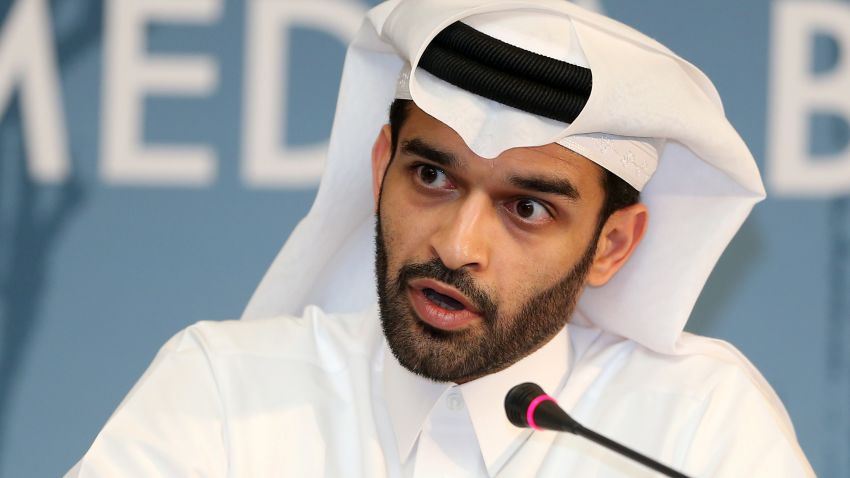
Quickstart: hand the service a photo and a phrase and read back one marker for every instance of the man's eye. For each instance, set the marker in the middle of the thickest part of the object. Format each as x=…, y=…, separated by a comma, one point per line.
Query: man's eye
x=432, y=177
x=530, y=210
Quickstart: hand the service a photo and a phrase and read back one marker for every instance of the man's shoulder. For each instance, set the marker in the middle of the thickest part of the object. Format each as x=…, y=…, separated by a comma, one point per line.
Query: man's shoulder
x=704, y=396
x=220, y=394
x=317, y=337
x=718, y=365
x=700, y=370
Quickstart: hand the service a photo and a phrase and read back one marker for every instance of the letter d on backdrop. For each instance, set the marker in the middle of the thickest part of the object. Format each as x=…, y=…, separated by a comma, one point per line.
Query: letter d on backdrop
x=267, y=160
x=797, y=92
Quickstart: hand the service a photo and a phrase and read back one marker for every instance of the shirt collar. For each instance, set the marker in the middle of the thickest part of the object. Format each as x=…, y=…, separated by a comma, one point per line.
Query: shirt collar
x=410, y=399
x=485, y=398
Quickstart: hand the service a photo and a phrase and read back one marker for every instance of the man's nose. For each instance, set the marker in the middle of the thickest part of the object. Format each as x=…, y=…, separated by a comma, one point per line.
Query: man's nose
x=463, y=240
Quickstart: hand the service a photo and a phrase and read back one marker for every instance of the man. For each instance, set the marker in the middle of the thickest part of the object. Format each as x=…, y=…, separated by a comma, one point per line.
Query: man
x=510, y=245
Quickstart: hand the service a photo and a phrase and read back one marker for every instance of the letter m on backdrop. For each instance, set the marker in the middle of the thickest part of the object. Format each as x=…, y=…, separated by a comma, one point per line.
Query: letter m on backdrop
x=28, y=62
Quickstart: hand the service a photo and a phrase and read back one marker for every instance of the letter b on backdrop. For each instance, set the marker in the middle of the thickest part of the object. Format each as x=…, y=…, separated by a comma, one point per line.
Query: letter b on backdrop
x=799, y=92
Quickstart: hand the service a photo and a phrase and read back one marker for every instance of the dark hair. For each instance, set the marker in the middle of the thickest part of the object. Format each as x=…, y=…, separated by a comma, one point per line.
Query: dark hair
x=618, y=193
x=398, y=113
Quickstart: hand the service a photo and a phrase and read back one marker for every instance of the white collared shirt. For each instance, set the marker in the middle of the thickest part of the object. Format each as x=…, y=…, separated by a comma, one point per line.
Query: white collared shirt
x=464, y=424
x=321, y=395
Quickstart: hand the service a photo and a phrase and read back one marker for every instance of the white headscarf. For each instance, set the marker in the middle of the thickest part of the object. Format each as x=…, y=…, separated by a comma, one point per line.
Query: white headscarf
x=703, y=187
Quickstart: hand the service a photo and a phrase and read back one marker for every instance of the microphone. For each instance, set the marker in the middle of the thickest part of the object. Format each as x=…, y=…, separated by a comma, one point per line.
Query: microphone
x=528, y=406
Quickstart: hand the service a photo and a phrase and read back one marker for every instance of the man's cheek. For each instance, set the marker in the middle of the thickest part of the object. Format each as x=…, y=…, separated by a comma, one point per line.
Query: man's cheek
x=393, y=248
x=406, y=244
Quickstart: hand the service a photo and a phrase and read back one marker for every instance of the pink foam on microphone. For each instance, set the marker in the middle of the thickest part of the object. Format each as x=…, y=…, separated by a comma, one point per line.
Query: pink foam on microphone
x=529, y=414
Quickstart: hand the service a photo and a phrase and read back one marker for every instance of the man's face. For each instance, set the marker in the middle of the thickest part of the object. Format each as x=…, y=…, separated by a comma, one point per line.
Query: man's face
x=480, y=261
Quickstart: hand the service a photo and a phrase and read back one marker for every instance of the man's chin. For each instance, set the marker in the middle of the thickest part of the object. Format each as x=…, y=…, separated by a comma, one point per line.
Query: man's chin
x=420, y=348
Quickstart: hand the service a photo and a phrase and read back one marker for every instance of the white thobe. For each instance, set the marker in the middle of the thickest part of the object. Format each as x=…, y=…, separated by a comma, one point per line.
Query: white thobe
x=321, y=395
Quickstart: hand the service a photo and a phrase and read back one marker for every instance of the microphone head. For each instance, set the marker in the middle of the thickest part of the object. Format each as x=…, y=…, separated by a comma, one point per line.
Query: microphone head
x=518, y=400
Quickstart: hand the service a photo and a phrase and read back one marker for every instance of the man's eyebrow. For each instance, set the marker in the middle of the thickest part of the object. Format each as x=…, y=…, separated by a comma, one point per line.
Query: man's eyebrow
x=561, y=187
x=417, y=147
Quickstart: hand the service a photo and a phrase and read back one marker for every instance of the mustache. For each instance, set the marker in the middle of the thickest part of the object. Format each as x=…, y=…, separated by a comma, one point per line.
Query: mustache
x=460, y=279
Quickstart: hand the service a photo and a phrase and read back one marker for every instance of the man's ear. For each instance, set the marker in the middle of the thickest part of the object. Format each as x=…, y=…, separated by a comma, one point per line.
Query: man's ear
x=381, y=154
x=620, y=236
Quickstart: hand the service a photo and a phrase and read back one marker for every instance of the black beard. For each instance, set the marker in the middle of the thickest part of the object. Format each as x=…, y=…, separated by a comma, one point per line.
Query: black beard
x=467, y=354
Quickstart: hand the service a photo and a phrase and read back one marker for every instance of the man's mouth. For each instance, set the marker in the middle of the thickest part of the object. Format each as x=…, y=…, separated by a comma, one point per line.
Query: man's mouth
x=441, y=306
x=442, y=300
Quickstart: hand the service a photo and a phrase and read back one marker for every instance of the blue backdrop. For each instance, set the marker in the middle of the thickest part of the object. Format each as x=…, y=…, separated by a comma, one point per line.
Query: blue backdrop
x=144, y=149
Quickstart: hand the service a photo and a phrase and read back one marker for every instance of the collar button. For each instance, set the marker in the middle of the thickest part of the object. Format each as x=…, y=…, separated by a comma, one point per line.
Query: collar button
x=454, y=401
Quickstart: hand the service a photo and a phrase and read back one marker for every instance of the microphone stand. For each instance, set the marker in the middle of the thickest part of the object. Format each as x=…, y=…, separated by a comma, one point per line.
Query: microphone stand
x=527, y=405
x=591, y=435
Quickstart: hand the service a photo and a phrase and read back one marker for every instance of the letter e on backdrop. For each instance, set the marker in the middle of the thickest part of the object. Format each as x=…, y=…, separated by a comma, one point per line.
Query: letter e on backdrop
x=129, y=74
